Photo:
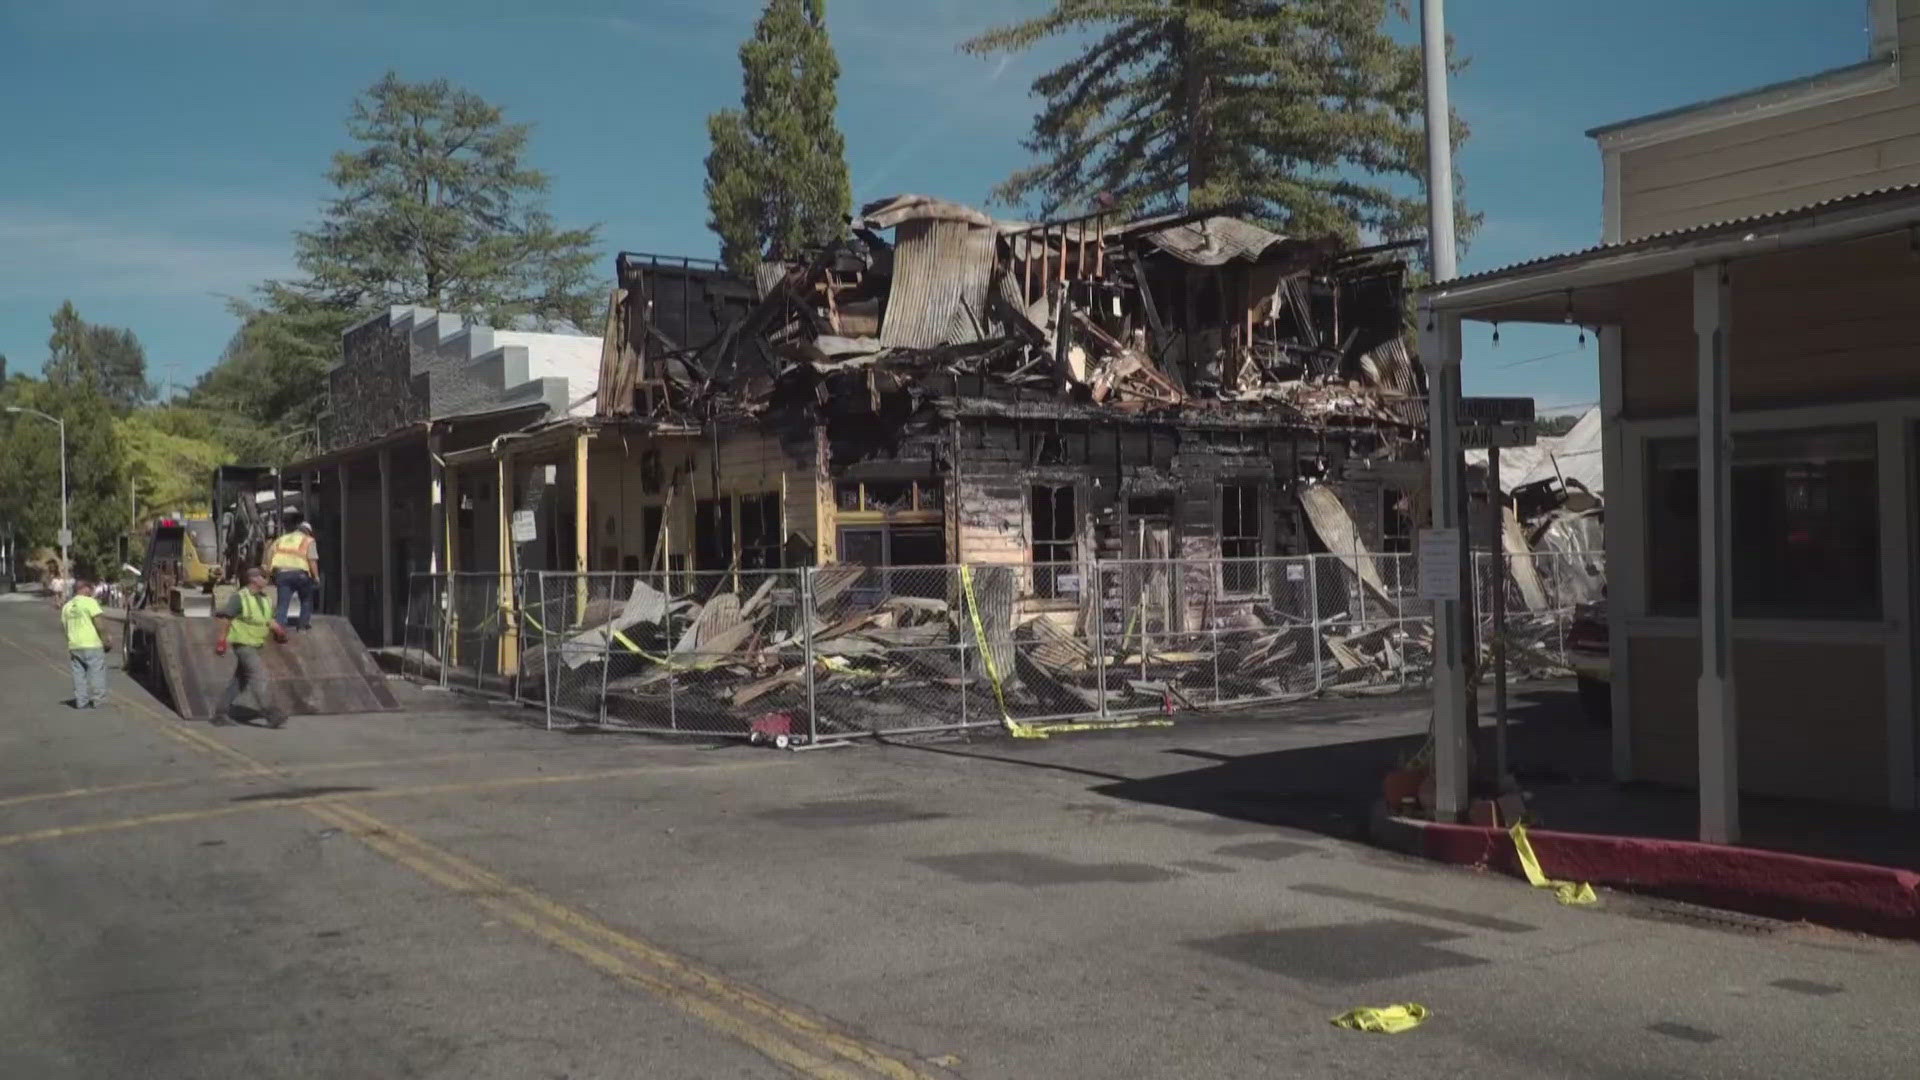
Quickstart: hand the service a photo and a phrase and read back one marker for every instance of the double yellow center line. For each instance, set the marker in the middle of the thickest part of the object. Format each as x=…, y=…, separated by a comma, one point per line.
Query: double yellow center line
x=810, y=1046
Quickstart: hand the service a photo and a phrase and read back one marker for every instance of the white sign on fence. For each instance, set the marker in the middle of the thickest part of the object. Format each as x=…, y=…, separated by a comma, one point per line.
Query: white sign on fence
x=1439, y=564
x=1296, y=572
x=523, y=531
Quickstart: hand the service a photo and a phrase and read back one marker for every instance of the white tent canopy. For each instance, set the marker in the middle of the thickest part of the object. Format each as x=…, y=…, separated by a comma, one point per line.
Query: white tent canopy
x=1574, y=457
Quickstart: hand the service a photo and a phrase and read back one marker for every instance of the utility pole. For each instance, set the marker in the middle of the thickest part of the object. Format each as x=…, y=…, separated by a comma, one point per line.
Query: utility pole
x=1452, y=689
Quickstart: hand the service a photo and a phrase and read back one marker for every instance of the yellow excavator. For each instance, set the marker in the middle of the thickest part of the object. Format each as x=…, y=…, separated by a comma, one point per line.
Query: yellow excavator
x=192, y=566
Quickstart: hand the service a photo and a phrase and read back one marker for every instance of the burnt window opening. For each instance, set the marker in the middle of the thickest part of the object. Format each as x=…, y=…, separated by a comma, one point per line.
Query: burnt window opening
x=894, y=556
x=1396, y=524
x=1239, y=538
x=889, y=496
x=713, y=534
x=650, y=518
x=1054, y=551
x=760, y=531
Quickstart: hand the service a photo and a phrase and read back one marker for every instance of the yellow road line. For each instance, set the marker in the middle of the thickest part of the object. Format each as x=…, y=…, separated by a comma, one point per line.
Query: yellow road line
x=119, y=824
x=573, y=931
x=453, y=788
x=103, y=789
x=705, y=995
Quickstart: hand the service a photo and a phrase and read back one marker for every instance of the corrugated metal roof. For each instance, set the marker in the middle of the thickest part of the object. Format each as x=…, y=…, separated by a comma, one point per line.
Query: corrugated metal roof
x=1214, y=241
x=1681, y=237
x=941, y=269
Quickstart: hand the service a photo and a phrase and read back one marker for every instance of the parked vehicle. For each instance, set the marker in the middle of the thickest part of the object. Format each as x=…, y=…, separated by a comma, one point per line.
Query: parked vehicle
x=1589, y=656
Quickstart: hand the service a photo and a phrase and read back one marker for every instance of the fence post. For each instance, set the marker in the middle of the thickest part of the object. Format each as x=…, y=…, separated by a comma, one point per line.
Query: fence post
x=547, y=667
x=1400, y=613
x=449, y=645
x=806, y=637
x=606, y=668
x=1313, y=599
x=1099, y=582
x=1217, y=586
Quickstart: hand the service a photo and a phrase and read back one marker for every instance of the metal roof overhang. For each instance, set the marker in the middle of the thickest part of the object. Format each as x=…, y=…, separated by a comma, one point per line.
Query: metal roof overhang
x=416, y=430
x=1584, y=287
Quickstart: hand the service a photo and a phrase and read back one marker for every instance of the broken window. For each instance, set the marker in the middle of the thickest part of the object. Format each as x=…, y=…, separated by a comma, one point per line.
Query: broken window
x=1396, y=525
x=891, y=553
x=650, y=518
x=1239, y=538
x=888, y=496
x=1806, y=525
x=760, y=531
x=1054, y=528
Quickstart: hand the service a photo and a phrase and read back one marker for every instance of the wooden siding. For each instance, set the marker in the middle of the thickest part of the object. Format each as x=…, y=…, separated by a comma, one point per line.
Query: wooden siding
x=1812, y=716
x=1781, y=161
x=747, y=463
x=1825, y=325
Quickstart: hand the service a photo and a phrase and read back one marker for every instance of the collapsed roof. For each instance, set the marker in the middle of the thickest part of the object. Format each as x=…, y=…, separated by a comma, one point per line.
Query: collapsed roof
x=1200, y=316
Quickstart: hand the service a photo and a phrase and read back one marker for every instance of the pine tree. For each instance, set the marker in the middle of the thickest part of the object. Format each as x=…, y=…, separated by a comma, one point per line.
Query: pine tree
x=777, y=173
x=436, y=208
x=1300, y=113
x=109, y=360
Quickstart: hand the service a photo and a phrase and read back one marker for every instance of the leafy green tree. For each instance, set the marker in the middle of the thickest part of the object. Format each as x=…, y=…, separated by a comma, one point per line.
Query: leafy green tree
x=434, y=206
x=1302, y=113
x=171, y=452
x=106, y=358
x=96, y=476
x=777, y=171
x=271, y=380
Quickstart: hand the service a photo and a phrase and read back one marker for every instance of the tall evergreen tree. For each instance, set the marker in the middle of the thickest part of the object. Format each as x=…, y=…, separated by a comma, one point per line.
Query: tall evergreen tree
x=107, y=359
x=435, y=207
x=777, y=173
x=1303, y=113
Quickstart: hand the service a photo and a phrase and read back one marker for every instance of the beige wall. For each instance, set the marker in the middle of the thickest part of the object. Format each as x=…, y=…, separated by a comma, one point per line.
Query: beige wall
x=748, y=463
x=1812, y=716
x=1779, y=160
x=1817, y=326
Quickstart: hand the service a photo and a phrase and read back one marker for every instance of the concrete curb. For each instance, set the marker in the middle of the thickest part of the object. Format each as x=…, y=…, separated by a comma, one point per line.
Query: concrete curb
x=1850, y=896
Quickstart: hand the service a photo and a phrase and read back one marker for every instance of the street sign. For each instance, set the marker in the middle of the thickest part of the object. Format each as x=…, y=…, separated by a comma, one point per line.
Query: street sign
x=1487, y=422
x=1439, y=564
x=65, y=539
x=523, y=530
x=1506, y=434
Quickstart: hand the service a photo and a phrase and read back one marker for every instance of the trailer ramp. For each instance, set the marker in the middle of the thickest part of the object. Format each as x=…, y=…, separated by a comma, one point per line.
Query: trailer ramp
x=321, y=671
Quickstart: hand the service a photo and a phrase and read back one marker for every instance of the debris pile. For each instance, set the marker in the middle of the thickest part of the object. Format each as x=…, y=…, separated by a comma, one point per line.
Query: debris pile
x=1191, y=311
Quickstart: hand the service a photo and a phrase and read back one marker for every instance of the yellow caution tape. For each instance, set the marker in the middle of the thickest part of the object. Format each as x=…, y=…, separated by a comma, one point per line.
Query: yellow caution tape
x=986, y=656
x=1567, y=892
x=1019, y=729
x=1386, y=1020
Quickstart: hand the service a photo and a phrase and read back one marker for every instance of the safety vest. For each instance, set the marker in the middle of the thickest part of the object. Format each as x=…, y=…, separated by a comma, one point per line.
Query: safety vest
x=256, y=611
x=290, y=551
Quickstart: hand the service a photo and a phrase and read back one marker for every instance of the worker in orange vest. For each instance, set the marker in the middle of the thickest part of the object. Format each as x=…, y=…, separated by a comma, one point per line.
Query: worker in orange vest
x=294, y=561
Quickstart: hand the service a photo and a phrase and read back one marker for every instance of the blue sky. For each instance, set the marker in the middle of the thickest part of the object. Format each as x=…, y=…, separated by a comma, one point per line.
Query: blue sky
x=160, y=152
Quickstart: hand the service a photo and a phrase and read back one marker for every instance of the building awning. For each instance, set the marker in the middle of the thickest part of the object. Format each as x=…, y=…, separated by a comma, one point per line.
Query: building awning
x=1582, y=286
x=416, y=430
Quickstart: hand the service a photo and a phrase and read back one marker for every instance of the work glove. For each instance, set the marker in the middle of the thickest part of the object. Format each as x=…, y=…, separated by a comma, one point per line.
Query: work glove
x=219, y=648
x=279, y=633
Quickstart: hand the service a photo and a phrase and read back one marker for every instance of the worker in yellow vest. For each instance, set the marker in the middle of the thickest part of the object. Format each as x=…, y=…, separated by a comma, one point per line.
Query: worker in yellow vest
x=245, y=622
x=294, y=561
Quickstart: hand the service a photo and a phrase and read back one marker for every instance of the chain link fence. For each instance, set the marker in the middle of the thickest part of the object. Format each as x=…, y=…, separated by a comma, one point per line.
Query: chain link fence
x=841, y=652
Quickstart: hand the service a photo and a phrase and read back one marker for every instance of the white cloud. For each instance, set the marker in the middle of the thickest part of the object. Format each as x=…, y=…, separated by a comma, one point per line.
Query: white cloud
x=192, y=249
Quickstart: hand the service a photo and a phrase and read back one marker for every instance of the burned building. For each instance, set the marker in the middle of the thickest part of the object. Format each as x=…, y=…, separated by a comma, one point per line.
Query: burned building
x=943, y=387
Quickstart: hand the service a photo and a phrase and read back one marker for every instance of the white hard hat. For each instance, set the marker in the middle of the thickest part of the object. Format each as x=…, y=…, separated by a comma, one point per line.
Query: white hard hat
x=307, y=527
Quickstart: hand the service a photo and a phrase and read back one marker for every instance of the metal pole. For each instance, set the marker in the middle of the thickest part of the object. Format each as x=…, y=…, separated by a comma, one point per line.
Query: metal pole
x=1433, y=51
x=1098, y=587
x=1313, y=609
x=66, y=534
x=1498, y=530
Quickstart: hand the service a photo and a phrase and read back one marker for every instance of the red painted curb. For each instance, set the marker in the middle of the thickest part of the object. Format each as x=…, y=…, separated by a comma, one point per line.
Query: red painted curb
x=1853, y=896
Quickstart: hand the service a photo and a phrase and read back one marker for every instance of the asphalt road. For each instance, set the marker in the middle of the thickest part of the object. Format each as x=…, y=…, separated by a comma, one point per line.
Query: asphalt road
x=449, y=893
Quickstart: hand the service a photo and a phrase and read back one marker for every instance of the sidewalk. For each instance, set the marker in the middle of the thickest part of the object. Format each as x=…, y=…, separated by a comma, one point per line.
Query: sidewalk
x=1852, y=867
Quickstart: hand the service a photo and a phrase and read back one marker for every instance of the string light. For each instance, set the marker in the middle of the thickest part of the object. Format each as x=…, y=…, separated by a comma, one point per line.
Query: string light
x=1568, y=317
x=1496, y=333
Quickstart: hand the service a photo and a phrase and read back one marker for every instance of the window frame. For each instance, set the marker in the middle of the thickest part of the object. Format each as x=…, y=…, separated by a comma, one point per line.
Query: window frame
x=1238, y=576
